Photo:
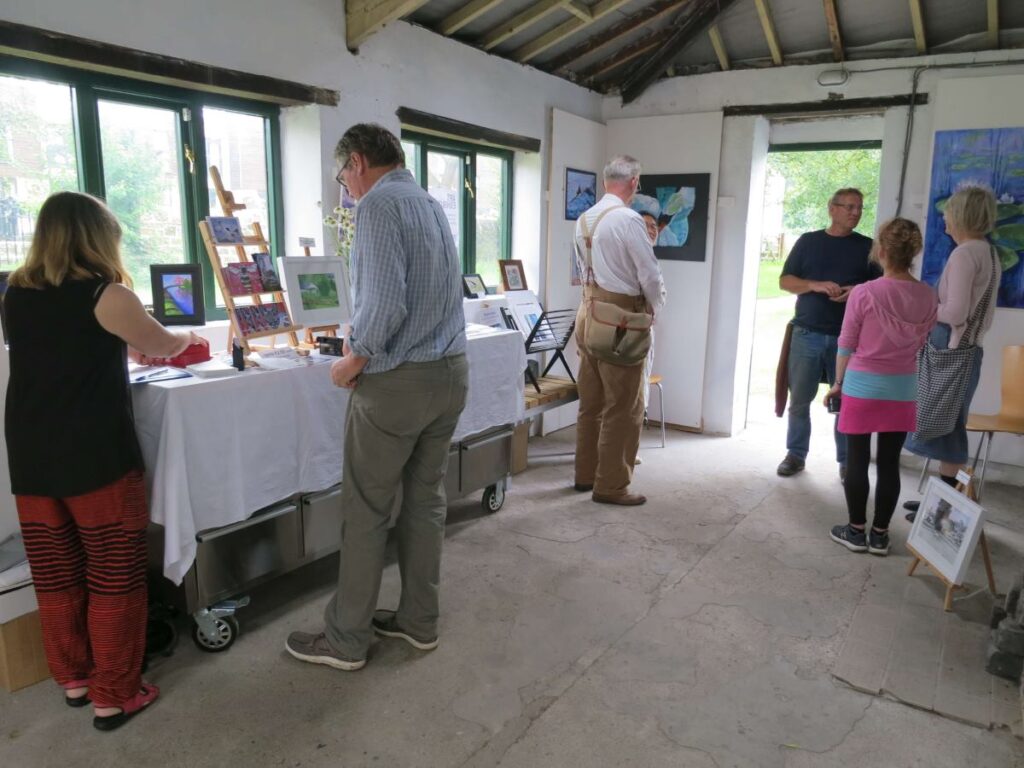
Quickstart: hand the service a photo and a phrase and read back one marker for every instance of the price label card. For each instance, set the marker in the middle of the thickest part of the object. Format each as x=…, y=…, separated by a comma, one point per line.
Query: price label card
x=307, y=242
x=963, y=477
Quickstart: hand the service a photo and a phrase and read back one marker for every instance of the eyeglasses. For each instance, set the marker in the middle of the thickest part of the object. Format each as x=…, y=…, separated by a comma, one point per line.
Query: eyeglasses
x=851, y=207
x=343, y=169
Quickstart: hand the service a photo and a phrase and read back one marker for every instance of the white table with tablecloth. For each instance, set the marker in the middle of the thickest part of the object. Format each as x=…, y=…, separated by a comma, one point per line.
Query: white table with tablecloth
x=218, y=450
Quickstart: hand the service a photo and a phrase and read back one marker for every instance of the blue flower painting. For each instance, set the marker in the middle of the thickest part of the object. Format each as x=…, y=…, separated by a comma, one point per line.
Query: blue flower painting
x=676, y=207
x=993, y=158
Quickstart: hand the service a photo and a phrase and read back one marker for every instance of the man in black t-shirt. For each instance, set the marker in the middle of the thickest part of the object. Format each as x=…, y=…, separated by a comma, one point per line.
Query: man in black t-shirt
x=821, y=270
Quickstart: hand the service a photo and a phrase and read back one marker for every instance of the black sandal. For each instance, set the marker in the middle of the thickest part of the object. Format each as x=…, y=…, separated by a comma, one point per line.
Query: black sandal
x=146, y=696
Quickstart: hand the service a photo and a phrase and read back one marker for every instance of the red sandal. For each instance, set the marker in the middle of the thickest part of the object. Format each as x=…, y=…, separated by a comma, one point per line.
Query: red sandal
x=146, y=696
x=76, y=701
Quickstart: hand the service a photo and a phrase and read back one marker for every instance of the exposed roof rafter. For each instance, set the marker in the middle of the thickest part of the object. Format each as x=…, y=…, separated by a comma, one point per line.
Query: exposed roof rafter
x=364, y=18
x=644, y=16
x=832, y=19
x=993, y=23
x=453, y=22
x=537, y=46
x=624, y=56
x=702, y=14
x=765, y=12
x=519, y=22
x=719, y=45
x=917, y=17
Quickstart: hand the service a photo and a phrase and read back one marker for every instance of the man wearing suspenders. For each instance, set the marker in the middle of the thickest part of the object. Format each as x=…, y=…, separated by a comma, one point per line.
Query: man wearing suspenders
x=622, y=271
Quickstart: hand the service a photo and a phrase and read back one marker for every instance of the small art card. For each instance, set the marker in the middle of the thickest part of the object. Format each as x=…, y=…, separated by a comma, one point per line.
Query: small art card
x=261, y=319
x=242, y=279
x=268, y=275
x=225, y=230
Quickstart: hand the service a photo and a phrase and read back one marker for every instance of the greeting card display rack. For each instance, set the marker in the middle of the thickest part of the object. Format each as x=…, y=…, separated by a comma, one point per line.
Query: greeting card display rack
x=550, y=334
x=255, y=240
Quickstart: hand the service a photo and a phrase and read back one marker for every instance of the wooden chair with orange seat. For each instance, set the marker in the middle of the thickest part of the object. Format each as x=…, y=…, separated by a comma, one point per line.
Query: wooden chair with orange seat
x=1010, y=419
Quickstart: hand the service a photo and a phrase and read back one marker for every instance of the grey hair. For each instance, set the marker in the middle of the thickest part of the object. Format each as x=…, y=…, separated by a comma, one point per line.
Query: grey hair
x=845, y=192
x=622, y=168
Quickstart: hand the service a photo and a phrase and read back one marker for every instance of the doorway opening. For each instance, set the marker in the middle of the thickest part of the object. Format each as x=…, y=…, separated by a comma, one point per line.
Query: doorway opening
x=799, y=181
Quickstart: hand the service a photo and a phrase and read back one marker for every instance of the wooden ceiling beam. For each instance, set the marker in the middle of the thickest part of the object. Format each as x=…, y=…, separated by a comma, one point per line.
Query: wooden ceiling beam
x=832, y=19
x=537, y=46
x=765, y=12
x=580, y=11
x=364, y=18
x=702, y=14
x=719, y=45
x=644, y=16
x=917, y=17
x=519, y=22
x=453, y=22
x=993, y=24
x=624, y=56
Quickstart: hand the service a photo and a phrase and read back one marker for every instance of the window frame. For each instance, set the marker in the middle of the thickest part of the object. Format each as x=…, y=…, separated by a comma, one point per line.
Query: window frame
x=469, y=152
x=88, y=88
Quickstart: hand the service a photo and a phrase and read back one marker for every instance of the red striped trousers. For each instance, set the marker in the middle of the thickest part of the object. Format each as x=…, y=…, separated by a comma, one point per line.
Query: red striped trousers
x=88, y=560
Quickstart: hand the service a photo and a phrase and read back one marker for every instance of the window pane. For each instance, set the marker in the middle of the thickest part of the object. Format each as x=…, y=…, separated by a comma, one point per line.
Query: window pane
x=490, y=214
x=444, y=183
x=142, y=180
x=37, y=158
x=412, y=159
x=236, y=144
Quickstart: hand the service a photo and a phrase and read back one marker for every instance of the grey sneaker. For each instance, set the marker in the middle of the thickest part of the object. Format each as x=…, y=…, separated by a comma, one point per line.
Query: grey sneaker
x=385, y=623
x=790, y=465
x=849, y=537
x=878, y=543
x=316, y=650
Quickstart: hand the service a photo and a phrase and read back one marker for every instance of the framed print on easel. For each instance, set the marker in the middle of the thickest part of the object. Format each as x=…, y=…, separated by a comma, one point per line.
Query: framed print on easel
x=177, y=294
x=513, y=277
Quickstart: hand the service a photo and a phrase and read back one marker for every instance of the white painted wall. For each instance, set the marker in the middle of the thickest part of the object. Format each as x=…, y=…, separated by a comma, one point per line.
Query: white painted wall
x=990, y=104
x=579, y=143
x=687, y=143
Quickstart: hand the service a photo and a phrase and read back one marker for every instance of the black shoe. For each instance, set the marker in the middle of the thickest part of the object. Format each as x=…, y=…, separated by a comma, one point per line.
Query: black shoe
x=913, y=506
x=878, y=543
x=790, y=466
x=849, y=537
x=385, y=623
x=583, y=487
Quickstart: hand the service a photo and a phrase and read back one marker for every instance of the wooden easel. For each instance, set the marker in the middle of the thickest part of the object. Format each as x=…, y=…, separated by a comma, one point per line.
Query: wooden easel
x=256, y=240
x=947, y=604
x=322, y=330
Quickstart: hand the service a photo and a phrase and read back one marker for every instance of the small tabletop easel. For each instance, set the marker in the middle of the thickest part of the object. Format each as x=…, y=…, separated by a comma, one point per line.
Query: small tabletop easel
x=256, y=240
x=551, y=333
x=313, y=330
x=947, y=605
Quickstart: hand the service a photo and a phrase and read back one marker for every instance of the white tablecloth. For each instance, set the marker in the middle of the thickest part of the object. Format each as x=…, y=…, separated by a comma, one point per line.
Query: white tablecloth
x=217, y=450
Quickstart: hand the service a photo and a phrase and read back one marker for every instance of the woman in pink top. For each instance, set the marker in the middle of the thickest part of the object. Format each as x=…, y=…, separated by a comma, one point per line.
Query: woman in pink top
x=887, y=321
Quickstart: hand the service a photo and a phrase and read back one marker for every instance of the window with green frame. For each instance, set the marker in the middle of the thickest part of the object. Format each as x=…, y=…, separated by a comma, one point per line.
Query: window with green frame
x=144, y=149
x=474, y=186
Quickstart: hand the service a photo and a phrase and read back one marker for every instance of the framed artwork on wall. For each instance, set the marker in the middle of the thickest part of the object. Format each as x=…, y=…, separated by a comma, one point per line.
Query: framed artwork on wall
x=316, y=290
x=580, y=192
x=513, y=277
x=676, y=205
x=177, y=294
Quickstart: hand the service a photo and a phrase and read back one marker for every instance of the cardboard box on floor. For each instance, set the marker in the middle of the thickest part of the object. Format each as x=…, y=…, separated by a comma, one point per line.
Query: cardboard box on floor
x=520, y=438
x=22, y=660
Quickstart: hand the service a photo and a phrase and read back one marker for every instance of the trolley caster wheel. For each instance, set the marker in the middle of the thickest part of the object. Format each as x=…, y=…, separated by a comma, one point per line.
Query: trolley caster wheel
x=494, y=498
x=223, y=638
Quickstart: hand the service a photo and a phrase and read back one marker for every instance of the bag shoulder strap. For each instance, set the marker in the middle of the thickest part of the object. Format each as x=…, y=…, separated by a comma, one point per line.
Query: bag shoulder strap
x=973, y=329
x=588, y=238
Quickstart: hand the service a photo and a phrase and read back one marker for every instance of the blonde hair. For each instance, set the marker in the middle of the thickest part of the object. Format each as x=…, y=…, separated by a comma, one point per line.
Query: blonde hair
x=77, y=237
x=972, y=209
x=901, y=240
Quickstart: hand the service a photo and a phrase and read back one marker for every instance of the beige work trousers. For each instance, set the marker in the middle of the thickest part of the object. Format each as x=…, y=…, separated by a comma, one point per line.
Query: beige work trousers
x=611, y=406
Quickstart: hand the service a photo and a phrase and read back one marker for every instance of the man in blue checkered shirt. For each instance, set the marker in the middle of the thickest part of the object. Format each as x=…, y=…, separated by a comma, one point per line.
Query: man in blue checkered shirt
x=405, y=365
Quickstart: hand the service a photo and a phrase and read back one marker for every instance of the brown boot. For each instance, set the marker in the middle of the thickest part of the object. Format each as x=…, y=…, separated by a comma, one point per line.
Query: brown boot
x=625, y=499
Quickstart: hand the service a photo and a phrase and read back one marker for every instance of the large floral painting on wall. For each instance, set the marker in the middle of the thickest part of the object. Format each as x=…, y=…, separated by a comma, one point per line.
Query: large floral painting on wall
x=994, y=158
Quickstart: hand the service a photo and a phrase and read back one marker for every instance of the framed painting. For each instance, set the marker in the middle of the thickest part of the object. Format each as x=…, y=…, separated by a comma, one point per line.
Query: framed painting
x=675, y=205
x=177, y=294
x=580, y=192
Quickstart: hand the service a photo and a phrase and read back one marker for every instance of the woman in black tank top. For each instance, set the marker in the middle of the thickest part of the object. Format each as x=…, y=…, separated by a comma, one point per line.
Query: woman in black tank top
x=75, y=463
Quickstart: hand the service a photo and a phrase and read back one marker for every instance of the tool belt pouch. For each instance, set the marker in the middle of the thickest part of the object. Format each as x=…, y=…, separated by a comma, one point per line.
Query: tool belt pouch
x=617, y=336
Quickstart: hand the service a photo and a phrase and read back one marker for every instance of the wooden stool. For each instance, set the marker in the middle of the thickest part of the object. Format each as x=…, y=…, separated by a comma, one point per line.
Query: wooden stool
x=655, y=381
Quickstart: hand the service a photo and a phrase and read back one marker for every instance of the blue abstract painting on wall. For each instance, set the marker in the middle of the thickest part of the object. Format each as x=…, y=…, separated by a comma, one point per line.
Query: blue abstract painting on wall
x=676, y=207
x=580, y=192
x=993, y=158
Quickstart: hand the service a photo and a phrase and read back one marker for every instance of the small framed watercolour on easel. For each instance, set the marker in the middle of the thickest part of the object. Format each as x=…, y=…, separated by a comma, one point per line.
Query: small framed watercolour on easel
x=946, y=531
x=513, y=277
x=177, y=294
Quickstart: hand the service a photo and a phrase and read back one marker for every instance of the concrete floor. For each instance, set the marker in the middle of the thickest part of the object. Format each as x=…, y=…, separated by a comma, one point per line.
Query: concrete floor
x=698, y=630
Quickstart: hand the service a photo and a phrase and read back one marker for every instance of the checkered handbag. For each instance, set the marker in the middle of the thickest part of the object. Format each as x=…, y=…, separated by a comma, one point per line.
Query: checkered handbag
x=943, y=374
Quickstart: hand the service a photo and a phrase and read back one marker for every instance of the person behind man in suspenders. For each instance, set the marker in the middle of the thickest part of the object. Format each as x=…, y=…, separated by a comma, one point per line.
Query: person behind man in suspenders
x=624, y=272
